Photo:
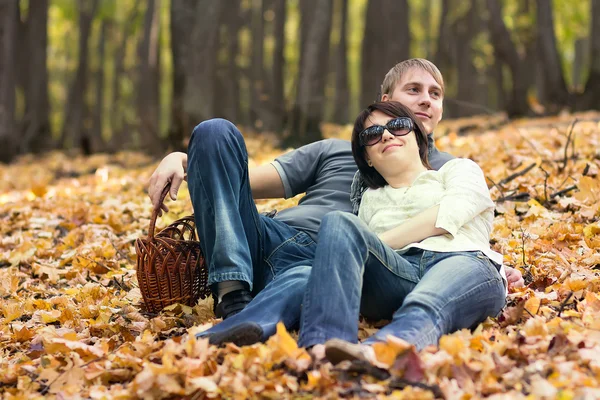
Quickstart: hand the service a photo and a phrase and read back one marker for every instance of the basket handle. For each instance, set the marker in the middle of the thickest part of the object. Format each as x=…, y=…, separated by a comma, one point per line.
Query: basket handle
x=156, y=210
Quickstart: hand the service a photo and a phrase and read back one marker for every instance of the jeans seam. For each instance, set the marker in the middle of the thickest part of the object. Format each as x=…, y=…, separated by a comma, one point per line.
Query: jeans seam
x=491, y=280
x=388, y=267
x=283, y=244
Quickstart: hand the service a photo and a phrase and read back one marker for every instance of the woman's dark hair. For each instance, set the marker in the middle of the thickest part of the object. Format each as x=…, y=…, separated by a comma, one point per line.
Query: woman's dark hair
x=372, y=178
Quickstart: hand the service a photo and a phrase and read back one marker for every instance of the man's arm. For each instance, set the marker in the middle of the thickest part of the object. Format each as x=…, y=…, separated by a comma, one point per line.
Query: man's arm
x=419, y=227
x=265, y=182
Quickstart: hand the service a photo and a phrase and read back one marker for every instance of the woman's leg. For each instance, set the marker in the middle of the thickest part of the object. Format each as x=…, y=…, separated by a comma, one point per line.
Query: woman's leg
x=345, y=247
x=457, y=290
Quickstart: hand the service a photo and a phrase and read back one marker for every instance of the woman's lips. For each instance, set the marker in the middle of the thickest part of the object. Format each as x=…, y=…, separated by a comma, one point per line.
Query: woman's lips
x=391, y=145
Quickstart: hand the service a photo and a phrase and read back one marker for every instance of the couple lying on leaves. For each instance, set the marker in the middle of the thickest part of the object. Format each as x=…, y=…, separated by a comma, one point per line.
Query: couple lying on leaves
x=405, y=238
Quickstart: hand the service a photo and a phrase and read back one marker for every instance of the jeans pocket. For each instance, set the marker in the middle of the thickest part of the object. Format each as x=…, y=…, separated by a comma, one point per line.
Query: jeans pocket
x=297, y=250
x=486, y=259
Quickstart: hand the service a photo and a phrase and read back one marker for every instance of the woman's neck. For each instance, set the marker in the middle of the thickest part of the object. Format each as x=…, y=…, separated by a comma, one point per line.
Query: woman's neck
x=405, y=176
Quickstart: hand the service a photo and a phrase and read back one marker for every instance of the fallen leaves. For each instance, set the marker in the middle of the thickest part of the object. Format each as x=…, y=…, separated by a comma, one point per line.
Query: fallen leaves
x=71, y=323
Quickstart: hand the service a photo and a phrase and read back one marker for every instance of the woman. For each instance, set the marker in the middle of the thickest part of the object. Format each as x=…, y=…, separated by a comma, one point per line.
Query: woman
x=418, y=253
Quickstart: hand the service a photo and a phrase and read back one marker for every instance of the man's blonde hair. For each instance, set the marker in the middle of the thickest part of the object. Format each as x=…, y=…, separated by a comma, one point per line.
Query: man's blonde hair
x=395, y=74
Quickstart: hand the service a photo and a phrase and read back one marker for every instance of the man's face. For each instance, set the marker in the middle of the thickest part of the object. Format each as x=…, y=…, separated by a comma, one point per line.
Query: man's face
x=421, y=93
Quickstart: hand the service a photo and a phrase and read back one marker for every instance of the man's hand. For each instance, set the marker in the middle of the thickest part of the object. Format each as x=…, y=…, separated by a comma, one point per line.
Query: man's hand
x=514, y=278
x=171, y=170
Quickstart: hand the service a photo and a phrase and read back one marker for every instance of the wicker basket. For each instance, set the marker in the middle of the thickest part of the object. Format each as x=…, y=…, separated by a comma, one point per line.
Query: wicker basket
x=170, y=265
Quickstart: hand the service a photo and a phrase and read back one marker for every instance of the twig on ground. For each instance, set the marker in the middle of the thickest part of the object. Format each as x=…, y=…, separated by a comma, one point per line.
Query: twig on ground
x=566, y=158
x=564, y=191
x=521, y=196
x=564, y=303
x=517, y=174
x=497, y=187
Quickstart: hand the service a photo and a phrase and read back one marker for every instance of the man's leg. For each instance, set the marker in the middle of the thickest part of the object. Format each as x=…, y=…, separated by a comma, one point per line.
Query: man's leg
x=229, y=226
x=457, y=290
x=281, y=300
x=345, y=249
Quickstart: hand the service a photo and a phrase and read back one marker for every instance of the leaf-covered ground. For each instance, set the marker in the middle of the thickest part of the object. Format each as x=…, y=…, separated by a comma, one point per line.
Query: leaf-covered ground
x=71, y=324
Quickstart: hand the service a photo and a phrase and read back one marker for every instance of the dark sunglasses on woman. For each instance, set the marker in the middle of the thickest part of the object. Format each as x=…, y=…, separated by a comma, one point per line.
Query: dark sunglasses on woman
x=401, y=126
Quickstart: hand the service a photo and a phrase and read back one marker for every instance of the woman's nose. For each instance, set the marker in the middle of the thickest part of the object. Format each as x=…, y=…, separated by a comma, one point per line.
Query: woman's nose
x=386, y=135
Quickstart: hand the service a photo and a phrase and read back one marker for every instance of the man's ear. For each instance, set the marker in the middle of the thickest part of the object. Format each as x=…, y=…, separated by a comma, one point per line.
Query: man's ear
x=385, y=97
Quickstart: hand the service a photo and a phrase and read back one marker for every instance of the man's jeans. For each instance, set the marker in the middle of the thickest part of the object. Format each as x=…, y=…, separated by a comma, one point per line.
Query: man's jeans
x=238, y=243
x=426, y=294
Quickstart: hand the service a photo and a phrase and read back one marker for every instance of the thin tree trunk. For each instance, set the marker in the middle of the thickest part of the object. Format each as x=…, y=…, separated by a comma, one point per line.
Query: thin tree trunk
x=470, y=91
x=507, y=52
x=257, y=99
x=591, y=96
x=8, y=38
x=74, y=112
x=580, y=59
x=229, y=78
x=148, y=79
x=36, y=124
x=278, y=108
x=120, y=136
x=342, y=91
x=96, y=141
x=557, y=94
x=310, y=100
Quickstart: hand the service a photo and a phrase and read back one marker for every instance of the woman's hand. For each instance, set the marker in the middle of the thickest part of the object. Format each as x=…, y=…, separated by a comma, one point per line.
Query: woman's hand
x=171, y=170
x=514, y=278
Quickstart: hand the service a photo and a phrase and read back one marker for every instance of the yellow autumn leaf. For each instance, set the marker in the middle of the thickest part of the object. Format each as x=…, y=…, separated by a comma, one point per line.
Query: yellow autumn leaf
x=533, y=305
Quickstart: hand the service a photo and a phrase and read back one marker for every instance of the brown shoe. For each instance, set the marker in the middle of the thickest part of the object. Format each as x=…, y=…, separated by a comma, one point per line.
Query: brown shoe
x=337, y=350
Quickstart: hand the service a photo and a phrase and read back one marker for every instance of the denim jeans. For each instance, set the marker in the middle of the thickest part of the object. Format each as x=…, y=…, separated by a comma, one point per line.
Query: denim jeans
x=238, y=243
x=425, y=294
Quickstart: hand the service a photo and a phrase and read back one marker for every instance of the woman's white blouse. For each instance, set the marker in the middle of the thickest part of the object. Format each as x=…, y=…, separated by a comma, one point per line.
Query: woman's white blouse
x=466, y=209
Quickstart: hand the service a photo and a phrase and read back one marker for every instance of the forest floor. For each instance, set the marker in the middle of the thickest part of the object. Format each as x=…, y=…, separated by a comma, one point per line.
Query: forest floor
x=71, y=325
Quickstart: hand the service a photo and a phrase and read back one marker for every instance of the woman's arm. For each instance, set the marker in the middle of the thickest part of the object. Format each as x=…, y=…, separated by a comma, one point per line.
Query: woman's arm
x=419, y=227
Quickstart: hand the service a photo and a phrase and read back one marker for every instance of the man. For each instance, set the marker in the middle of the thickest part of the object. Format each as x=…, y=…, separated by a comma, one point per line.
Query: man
x=248, y=253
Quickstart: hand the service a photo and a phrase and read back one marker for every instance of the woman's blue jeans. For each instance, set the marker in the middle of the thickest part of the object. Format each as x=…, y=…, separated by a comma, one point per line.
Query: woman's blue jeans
x=425, y=294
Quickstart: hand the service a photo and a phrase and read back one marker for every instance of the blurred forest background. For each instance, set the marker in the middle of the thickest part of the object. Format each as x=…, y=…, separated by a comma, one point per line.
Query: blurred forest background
x=108, y=75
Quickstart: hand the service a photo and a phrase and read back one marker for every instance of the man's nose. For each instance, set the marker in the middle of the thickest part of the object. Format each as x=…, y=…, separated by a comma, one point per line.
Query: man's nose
x=425, y=99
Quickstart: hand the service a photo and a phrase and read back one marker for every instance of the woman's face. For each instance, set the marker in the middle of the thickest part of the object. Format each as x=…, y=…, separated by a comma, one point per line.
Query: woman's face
x=392, y=151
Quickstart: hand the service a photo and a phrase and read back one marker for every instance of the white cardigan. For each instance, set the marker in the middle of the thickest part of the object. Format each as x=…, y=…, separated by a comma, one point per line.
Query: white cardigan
x=466, y=209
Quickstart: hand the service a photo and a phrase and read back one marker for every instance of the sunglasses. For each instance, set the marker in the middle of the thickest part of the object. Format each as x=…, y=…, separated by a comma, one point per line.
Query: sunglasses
x=401, y=126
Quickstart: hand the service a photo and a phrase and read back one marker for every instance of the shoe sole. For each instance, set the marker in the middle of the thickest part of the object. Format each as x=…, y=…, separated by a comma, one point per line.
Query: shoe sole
x=240, y=335
x=336, y=352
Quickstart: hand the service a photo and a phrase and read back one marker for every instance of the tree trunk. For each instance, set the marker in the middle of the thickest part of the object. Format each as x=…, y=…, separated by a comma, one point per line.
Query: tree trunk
x=36, y=123
x=506, y=50
x=95, y=137
x=278, y=96
x=310, y=98
x=194, y=38
x=258, y=111
x=579, y=61
x=591, y=96
x=342, y=91
x=8, y=38
x=120, y=136
x=228, y=100
x=384, y=44
x=74, y=112
x=148, y=80
x=443, y=56
x=470, y=93
x=557, y=95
